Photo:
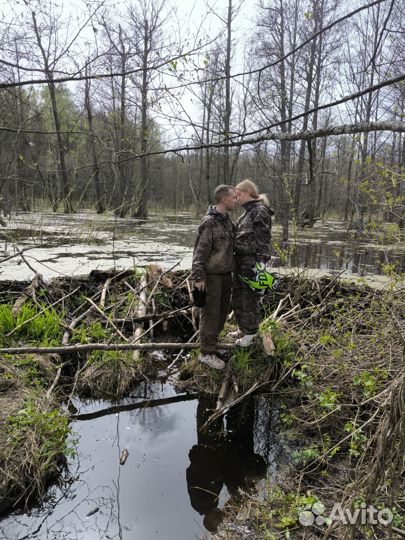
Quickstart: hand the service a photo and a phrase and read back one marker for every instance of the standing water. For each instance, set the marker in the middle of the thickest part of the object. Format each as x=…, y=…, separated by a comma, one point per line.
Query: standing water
x=176, y=478
x=68, y=245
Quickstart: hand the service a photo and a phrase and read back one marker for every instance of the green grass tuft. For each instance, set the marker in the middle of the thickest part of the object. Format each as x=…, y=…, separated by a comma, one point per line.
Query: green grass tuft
x=37, y=324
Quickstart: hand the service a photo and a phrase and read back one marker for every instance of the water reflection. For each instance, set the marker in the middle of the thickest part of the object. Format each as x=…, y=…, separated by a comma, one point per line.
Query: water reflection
x=176, y=480
x=351, y=257
x=223, y=456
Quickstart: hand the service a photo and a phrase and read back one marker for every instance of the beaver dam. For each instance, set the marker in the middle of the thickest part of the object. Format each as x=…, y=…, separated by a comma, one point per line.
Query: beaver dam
x=110, y=428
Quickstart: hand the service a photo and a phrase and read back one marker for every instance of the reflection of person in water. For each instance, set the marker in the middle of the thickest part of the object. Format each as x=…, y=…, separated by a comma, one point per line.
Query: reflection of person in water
x=222, y=457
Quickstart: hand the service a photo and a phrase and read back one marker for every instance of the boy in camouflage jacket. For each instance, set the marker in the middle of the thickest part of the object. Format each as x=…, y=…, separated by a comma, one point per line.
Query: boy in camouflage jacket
x=213, y=261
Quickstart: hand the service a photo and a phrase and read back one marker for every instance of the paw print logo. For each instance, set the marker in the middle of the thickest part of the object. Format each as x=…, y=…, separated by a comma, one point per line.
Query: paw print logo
x=313, y=514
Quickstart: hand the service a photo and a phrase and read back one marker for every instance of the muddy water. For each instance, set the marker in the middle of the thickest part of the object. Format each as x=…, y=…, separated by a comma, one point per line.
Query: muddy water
x=75, y=244
x=176, y=479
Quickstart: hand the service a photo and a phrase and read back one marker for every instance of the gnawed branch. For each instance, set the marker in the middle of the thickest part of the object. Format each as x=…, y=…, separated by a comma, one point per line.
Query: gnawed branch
x=108, y=347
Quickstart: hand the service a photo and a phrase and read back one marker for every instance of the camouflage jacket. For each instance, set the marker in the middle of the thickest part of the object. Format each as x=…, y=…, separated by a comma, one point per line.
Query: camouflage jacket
x=253, y=230
x=213, y=249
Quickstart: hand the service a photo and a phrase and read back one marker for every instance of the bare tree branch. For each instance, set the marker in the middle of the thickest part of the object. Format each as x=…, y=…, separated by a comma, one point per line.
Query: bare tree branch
x=219, y=78
x=344, y=129
x=108, y=75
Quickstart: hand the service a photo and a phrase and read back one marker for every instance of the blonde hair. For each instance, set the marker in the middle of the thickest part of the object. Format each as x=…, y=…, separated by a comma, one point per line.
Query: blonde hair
x=248, y=186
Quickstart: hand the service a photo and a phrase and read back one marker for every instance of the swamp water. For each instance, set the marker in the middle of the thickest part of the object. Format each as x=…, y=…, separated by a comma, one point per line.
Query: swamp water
x=176, y=478
x=69, y=245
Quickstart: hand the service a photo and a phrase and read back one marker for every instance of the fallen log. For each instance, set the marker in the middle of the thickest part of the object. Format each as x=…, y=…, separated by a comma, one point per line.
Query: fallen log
x=225, y=409
x=16, y=254
x=148, y=403
x=109, y=321
x=104, y=292
x=69, y=330
x=56, y=380
x=194, y=310
x=268, y=344
x=69, y=349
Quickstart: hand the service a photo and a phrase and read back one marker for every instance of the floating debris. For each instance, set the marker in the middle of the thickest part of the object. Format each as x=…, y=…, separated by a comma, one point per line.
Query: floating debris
x=124, y=456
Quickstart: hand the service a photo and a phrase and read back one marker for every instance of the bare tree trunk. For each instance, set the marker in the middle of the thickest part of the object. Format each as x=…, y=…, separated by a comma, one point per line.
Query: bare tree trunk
x=228, y=104
x=142, y=210
x=349, y=179
x=122, y=145
x=21, y=146
x=318, y=13
x=100, y=199
x=147, y=21
x=322, y=177
x=301, y=158
x=400, y=186
x=361, y=203
x=285, y=145
x=197, y=192
x=208, y=153
x=66, y=188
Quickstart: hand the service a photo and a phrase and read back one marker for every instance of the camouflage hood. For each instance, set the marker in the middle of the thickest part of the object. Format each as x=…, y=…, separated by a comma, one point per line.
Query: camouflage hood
x=212, y=211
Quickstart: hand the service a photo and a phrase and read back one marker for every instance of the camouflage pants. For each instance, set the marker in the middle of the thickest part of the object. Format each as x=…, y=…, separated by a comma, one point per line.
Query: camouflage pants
x=213, y=315
x=245, y=302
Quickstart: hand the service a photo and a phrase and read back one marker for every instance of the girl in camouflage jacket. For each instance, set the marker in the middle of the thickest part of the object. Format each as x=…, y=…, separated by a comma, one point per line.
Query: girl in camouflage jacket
x=252, y=245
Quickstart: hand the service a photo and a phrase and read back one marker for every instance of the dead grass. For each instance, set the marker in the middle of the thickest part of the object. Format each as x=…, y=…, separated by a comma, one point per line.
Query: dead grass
x=33, y=432
x=34, y=450
x=111, y=374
